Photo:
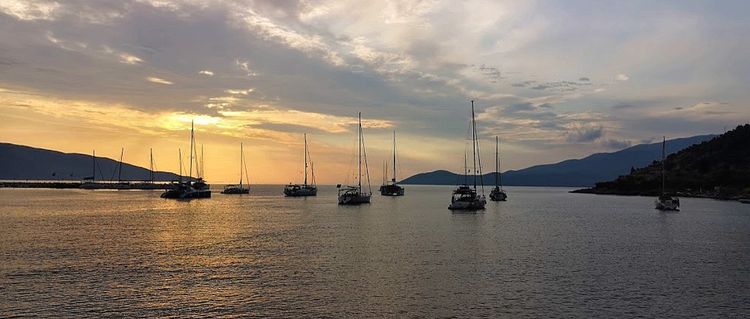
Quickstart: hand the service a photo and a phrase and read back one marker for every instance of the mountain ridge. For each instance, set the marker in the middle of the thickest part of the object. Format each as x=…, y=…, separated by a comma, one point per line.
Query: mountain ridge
x=21, y=162
x=719, y=168
x=582, y=172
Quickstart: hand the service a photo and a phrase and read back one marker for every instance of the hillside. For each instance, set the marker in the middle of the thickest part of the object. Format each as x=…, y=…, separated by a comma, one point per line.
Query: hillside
x=18, y=162
x=719, y=168
x=575, y=172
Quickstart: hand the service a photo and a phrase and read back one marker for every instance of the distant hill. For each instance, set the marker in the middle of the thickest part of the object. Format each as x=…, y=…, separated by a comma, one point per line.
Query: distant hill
x=572, y=173
x=719, y=168
x=18, y=162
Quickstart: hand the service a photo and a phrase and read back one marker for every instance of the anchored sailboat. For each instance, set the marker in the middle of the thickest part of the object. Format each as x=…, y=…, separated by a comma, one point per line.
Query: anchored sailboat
x=465, y=197
x=498, y=194
x=190, y=188
x=353, y=195
x=664, y=201
x=297, y=190
x=391, y=188
x=239, y=188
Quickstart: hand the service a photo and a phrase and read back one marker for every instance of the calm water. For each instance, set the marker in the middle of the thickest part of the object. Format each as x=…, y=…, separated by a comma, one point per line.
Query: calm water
x=545, y=252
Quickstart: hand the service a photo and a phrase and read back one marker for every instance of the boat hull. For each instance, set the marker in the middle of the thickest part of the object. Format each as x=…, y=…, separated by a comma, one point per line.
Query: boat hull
x=498, y=195
x=300, y=191
x=468, y=205
x=186, y=194
x=235, y=191
x=667, y=204
x=391, y=190
x=354, y=199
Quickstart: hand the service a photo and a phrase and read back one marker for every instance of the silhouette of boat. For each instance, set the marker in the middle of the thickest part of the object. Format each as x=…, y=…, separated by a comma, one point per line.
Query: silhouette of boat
x=353, y=195
x=239, y=188
x=297, y=190
x=665, y=202
x=465, y=197
x=498, y=194
x=391, y=188
x=190, y=188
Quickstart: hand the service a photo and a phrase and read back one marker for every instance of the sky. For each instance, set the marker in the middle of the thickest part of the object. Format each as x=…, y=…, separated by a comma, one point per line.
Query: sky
x=553, y=79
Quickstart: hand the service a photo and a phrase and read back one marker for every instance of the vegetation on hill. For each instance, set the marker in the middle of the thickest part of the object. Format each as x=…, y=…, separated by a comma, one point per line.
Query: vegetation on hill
x=719, y=168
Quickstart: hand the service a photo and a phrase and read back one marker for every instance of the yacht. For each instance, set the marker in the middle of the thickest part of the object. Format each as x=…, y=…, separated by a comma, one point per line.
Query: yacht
x=665, y=202
x=466, y=197
x=239, y=188
x=192, y=187
x=354, y=195
x=498, y=194
x=391, y=188
x=297, y=190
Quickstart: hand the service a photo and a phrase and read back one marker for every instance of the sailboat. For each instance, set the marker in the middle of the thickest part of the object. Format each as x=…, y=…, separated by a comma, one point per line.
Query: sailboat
x=353, y=195
x=465, y=197
x=391, y=188
x=297, y=190
x=498, y=194
x=664, y=201
x=239, y=188
x=190, y=188
x=90, y=182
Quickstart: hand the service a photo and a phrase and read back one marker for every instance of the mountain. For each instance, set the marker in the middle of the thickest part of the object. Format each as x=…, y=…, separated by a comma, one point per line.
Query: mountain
x=18, y=162
x=719, y=168
x=576, y=172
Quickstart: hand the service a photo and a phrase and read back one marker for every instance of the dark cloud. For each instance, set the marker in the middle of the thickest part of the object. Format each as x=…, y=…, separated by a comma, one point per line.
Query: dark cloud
x=585, y=135
x=621, y=106
x=560, y=86
x=584, y=79
x=492, y=73
x=523, y=84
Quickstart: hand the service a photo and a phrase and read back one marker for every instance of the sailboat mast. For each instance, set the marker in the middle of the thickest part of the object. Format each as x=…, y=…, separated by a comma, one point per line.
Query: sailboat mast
x=242, y=160
x=474, y=144
x=151, y=164
x=305, y=137
x=663, y=151
x=190, y=173
x=466, y=172
x=202, y=162
x=179, y=154
x=394, y=157
x=497, y=161
x=119, y=167
x=93, y=166
x=359, y=139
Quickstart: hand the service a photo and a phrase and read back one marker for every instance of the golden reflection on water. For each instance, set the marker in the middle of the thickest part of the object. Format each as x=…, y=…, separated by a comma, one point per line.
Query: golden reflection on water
x=131, y=253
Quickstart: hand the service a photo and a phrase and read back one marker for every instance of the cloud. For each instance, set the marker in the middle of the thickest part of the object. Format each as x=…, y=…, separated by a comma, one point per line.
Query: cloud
x=616, y=144
x=30, y=9
x=584, y=79
x=129, y=59
x=622, y=77
x=239, y=91
x=585, y=135
x=154, y=79
x=206, y=72
x=622, y=106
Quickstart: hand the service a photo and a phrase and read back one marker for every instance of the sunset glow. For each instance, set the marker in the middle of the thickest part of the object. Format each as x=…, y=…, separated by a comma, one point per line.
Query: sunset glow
x=104, y=75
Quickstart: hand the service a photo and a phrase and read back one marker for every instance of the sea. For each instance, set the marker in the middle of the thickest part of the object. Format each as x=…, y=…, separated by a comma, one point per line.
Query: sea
x=543, y=253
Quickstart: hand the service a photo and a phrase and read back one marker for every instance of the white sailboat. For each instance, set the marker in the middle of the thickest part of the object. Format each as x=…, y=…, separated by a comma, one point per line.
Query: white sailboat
x=297, y=190
x=465, y=197
x=498, y=194
x=665, y=202
x=391, y=188
x=239, y=188
x=354, y=195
